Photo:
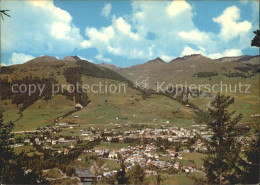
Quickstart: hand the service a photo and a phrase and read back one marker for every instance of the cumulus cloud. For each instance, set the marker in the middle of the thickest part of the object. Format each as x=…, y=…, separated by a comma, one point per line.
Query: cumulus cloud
x=173, y=32
x=230, y=27
x=39, y=26
x=125, y=28
x=226, y=53
x=20, y=58
x=193, y=35
x=85, y=44
x=2, y=64
x=177, y=7
x=152, y=29
x=83, y=58
x=167, y=58
x=128, y=36
x=100, y=57
x=189, y=51
x=106, y=10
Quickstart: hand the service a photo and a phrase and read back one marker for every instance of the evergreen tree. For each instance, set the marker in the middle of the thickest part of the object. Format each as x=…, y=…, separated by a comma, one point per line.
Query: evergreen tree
x=137, y=175
x=6, y=152
x=256, y=39
x=158, y=179
x=224, y=160
x=253, y=155
x=11, y=166
x=121, y=174
x=4, y=12
x=109, y=181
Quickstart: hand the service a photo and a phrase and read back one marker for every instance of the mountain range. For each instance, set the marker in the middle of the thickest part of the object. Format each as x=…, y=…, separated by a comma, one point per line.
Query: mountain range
x=134, y=106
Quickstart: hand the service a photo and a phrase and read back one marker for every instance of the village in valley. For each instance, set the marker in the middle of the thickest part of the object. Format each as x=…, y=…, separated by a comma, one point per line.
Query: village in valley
x=157, y=147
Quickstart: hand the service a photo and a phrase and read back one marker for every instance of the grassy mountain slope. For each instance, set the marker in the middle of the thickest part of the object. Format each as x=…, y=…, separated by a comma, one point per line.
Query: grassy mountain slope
x=29, y=112
x=197, y=69
x=129, y=107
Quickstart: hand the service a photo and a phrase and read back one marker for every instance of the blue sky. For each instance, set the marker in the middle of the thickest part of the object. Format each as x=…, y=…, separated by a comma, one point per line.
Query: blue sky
x=127, y=33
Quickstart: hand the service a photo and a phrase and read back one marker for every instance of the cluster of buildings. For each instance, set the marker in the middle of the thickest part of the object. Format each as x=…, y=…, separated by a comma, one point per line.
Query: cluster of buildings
x=145, y=156
x=172, y=134
x=46, y=137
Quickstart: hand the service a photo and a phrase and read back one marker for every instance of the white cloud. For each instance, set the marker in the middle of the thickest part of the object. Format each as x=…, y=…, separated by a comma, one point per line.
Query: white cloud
x=177, y=7
x=20, y=58
x=125, y=28
x=89, y=60
x=167, y=58
x=232, y=52
x=85, y=44
x=2, y=64
x=106, y=10
x=104, y=35
x=189, y=51
x=230, y=27
x=127, y=36
x=100, y=57
x=152, y=29
x=215, y=55
x=226, y=53
x=82, y=58
x=39, y=26
x=193, y=35
x=167, y=29
x=122, y=25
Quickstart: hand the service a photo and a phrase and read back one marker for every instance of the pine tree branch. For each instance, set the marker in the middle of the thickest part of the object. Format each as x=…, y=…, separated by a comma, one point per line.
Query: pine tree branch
x=4, y=12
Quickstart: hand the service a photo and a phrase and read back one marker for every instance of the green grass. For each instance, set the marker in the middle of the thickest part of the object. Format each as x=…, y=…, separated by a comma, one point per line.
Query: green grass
x=197, y=157
x=111, y=165
x=10, y=111
x=61, y=146
x=65, y=181
x=41, y=113
x=30, y=154
x=53, y=173
x=129, y=107
x=182, y=179
x=29, y=150
x=26, y=149
x=110, y=146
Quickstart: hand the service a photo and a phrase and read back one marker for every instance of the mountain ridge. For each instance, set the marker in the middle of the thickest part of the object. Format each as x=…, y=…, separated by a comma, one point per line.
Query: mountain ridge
x=194, y=69
x=158, y=60
x=44, y=58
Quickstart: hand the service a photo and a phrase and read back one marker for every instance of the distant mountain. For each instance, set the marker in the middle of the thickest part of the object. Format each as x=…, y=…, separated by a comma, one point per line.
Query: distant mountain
x=44, y=58
x=193, y=68
x=158, y=60
x=30, y=111
x=143, y=71
x=190, y=57
x=72, y=58
x=46, y=71
x=148, y=64
x=27, y=111
x=243, y=58
x=110, y=66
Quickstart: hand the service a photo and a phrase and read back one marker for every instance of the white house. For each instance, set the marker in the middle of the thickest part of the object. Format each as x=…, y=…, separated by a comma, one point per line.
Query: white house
x=79, y=106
